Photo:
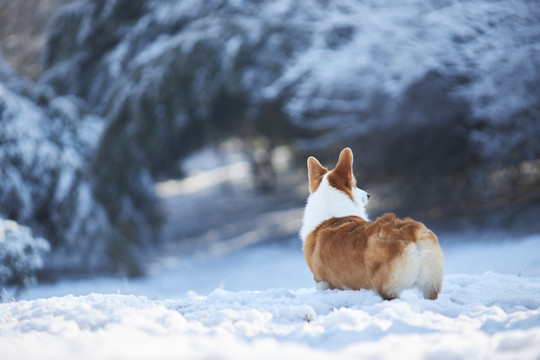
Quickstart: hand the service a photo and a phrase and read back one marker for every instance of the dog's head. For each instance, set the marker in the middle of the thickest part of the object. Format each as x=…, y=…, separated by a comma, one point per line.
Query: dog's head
x=341, y=178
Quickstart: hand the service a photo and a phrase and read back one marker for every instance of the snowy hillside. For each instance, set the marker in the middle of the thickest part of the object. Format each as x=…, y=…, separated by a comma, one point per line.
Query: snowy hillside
x=484, y=315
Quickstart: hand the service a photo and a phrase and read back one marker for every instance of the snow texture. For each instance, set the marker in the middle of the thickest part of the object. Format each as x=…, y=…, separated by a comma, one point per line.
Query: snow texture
x=479, y=314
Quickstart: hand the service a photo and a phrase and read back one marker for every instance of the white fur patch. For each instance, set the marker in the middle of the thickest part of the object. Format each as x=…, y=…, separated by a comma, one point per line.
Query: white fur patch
x=405, y=270
x=322, y=285
x=432, y=270
x=328, y=202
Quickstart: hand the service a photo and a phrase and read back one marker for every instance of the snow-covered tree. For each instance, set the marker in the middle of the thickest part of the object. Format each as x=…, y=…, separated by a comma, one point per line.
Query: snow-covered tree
x=21, y=254
x=47, y=143
x=421, y=89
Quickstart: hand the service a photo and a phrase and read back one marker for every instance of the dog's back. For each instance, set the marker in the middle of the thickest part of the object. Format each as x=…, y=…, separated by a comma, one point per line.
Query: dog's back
x=388, y=255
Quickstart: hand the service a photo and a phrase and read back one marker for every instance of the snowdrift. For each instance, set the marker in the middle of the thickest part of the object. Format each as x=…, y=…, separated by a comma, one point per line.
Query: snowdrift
x=491, y=316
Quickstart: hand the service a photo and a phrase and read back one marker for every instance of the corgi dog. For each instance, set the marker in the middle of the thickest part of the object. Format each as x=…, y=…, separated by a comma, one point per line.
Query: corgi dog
x=346, y=251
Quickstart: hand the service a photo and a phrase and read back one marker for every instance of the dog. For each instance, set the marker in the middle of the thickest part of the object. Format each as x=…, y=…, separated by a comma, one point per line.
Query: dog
x=346, y=251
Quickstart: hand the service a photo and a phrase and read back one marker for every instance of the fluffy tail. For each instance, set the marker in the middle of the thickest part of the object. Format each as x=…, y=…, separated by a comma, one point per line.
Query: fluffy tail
x=396, y=265
x=431, y=273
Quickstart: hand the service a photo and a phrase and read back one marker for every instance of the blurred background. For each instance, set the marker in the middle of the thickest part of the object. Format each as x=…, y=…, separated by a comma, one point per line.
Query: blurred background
x=130, y=129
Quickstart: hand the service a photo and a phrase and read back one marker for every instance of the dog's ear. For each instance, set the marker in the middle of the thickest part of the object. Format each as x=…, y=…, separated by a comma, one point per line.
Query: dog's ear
x=315, y=173
x=342, y=176
x=345, y=162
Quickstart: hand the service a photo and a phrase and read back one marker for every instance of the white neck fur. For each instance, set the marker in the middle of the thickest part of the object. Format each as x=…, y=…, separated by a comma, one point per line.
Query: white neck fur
x=328, y=202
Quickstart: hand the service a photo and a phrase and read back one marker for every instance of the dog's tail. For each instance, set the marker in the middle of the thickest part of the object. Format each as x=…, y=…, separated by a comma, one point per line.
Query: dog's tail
x=394, y=265
x=431, y=272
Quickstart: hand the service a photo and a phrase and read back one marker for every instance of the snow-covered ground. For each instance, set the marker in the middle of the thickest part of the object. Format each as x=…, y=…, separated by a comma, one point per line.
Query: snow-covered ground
x=260, y=302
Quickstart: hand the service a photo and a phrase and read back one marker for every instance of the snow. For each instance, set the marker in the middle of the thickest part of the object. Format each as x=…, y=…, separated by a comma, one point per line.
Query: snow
x=261, y=303
x=209, y=168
